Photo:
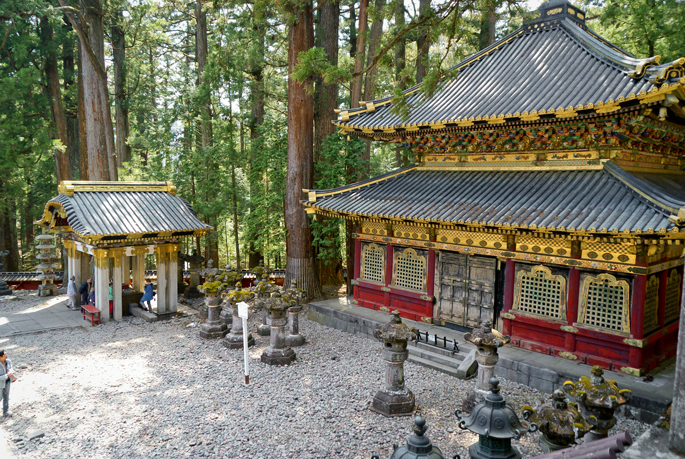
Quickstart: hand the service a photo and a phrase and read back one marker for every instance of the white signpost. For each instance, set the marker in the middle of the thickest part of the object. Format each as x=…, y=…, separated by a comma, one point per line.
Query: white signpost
x=242, y=313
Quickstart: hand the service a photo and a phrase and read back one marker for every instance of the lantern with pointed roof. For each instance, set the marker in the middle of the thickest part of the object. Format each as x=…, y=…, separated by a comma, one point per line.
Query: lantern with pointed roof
x=418, y=445
x=496, y=424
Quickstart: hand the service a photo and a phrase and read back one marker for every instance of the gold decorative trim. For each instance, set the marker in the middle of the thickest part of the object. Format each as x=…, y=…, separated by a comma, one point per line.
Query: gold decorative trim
x=640, y=343
x=385, y=289
x=69, y=187
x=384, y=309
x=428, y=320
x=407, y=278
x=506, y=315
x=353, y=301
x=354, y=282
x=633, y=371
x=568, y=328
x=568, y=355
x=427, y=298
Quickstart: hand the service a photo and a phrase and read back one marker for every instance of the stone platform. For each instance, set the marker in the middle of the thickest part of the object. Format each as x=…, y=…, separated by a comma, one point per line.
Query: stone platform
x=542, y=372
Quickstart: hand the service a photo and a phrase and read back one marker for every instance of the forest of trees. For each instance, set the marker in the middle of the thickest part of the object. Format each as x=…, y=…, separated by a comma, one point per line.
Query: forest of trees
x=233, y=102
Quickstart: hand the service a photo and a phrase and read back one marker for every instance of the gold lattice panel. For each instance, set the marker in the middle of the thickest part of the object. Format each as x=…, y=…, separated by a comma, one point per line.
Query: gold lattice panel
x=604, y=303
x=373, y=263
x=546, y=246
x=541, y=293
x=651, y=319
x=379, y=228
x=673, y=291
x=607, y=251
x=409, y=270
x=472, y=238
x=411, y=232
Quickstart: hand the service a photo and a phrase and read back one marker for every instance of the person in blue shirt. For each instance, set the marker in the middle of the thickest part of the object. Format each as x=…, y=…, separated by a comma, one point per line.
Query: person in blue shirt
x=147, y=296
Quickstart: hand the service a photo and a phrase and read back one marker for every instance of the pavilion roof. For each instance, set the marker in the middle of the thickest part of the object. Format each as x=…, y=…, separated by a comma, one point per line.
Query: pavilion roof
x=603, y=199
x=116, y=211
x=553, y=66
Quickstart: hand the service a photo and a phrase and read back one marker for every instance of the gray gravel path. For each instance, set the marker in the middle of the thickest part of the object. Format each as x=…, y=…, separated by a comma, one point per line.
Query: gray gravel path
x=157, y=390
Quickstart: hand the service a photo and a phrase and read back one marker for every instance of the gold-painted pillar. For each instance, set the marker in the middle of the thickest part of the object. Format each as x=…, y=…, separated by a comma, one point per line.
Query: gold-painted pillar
x=101, y=282
x=117, y=280
x=162, y=263
x=172, y=277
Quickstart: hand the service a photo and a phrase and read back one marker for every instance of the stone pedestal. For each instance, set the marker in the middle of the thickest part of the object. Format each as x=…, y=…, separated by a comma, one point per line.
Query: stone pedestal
x=294, y=338
x=277, y=353
x=213, y=328
x=263, y=289
x=487, y=342
x=234, y=340
x=226, y=316
x=264, y=329
x=195, y=261
x=394, y=399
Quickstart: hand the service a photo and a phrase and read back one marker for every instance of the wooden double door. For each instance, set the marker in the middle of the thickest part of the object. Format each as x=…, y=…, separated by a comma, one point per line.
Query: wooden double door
x=467, y=289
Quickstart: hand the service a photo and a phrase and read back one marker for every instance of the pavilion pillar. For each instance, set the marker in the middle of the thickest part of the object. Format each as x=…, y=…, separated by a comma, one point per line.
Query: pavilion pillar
x=101, y=282
x=74, y=265
x=138, y=269
x=117, y=280
x=172, y=281
x=162, y=263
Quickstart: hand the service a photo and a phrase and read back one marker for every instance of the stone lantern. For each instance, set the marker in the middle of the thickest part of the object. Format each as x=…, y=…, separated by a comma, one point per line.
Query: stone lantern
x=46, y=268
x=559, y=421
x=195, y=264
x=229, y=278
x=496, y=424
x=234, y=340
x=278, y=353
x=597, y=399
x=487, y=342
x=264, y=289
x=418, y=446
x=394, y=399
x=213, y=328
x=292, y=296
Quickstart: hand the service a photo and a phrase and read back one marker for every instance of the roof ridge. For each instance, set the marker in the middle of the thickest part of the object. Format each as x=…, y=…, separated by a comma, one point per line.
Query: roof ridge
x=647, y=193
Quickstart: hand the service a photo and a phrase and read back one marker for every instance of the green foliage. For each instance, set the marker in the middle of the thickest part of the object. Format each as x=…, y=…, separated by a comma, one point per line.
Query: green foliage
x=337, y=166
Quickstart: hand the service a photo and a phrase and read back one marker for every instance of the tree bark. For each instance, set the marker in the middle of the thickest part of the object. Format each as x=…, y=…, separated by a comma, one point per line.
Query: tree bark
x=370, y=83
x=422, y=44
x=400, y=64
x=201, y=54
x=70, y=105
x=55, y=94
x=81, y=119
x=301, y=264
x=360, y=53
x=120, y=100
x=488, y=23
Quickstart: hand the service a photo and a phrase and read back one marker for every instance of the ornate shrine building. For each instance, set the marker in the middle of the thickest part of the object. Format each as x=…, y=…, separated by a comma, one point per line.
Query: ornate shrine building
x=119, y=224
x=548, y=191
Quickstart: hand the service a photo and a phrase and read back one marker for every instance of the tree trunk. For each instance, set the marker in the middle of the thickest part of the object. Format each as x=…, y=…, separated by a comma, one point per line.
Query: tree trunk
x=55, y=95
x=400, y=64
x=201, y=54
x=28, y=222
x=9, y=235
x=360, y=53
x=301, y=264
x=370, y=83
x=120, y=101
x=488, y=23
x=422, y=44
x=70, y=105
x=81, y=119
x=256, y=120
x=326, y=97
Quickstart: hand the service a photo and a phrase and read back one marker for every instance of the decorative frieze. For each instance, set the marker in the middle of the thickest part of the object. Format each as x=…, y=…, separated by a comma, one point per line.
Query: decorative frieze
x=547, y=246
x=605, y=251
x=374, y=227
x=472, y=238
x=420, y=233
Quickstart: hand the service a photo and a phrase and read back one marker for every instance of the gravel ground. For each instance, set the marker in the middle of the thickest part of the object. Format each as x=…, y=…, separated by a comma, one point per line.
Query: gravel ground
x=157, y=390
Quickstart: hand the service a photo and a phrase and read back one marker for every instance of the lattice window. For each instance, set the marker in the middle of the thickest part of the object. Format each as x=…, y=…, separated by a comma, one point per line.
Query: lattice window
x=651, y=320
x=605, y=303
x=541, y=293
x=673, y=292
x=373, y=263
x=409, y=270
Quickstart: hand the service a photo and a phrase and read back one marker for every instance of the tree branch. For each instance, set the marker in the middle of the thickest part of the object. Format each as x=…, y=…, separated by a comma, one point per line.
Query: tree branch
x=79, y=24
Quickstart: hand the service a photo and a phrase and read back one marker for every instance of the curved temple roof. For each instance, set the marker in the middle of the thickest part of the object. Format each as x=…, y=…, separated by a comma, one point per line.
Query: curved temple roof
x=605, y=200
x=553, y=66
x=120, y=210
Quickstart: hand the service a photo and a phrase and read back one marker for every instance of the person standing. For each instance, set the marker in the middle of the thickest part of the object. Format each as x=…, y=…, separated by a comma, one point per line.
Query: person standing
x=84, y=290
x=71, y=293
x=147, y=296
x=6, y=378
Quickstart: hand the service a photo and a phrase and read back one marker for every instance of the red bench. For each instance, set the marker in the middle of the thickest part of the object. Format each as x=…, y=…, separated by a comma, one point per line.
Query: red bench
x=92, y=311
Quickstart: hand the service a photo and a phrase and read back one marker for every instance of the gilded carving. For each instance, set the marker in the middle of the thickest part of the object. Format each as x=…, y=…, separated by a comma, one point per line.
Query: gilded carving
x=605, y=303
x=409, y=270
x=568, y=355
x=568, y=328
x=506, y=315
x=540, y=293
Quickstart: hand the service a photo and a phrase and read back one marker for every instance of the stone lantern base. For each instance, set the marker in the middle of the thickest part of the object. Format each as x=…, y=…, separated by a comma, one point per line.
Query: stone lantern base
x=294, y=340
x=272, y=356
x=5, y=289
x=213, y=331
x=401, y=403
x=477, y=452
x=47, y=290
x=235, y=340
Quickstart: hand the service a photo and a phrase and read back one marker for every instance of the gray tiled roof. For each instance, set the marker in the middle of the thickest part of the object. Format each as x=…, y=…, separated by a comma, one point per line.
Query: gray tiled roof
x=559, y=64
x=601, y=200
x=127, y=212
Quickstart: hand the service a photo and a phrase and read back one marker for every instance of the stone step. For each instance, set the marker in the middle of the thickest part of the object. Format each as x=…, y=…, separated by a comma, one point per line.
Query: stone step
x=437, y=357
x=447, y=369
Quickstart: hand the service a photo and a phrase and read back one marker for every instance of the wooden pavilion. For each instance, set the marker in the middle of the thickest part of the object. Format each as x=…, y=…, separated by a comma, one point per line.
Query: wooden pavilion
x=547, y=191
x=112, y=221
